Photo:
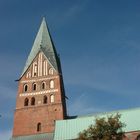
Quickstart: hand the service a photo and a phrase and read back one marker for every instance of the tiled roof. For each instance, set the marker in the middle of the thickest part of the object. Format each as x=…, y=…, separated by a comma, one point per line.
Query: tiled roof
x=45, y=136
x=43, y=42
x=69, y=129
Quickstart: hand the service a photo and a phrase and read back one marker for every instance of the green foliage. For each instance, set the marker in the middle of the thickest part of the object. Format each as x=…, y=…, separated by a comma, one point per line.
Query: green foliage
x=109, y=128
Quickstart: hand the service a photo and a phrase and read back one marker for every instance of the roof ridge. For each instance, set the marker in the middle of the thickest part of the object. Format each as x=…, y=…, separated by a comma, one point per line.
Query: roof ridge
x=114, y=111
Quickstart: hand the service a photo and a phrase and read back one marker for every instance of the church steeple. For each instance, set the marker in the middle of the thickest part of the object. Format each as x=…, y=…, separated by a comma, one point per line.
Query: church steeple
x=41, y=95
x=43, y=42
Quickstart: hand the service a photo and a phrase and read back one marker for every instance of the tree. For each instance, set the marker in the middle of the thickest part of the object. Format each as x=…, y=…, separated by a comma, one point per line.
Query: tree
x=109, y=128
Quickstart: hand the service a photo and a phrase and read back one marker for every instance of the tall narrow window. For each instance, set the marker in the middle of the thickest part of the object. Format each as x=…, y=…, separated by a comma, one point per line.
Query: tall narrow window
x=43, y=85
x=38, y=127
x=51, y=84
x=25, y=88
x=52, y=98
x=45, y=100
x=33, y=101
x=34, y=69
x=51, y=71
x=34, y=86
x=26, y=102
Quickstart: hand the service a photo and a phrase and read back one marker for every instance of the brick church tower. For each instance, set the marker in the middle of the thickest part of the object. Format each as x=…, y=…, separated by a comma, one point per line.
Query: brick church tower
x=41, y=96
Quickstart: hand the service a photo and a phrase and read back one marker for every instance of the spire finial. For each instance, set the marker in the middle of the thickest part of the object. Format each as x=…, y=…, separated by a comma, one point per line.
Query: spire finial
x=43, y=19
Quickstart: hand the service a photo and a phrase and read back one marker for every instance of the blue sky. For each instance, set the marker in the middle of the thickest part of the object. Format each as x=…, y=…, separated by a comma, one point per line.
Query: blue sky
x=99, y=45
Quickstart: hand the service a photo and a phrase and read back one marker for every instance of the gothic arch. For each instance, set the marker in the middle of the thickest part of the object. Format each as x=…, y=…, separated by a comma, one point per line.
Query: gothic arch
x=33, y=101
x=45, y=99
x=34, y=86
x=52, y=98
x=26, y=102
x=52, y=84
x=39, y=127
x=43, y=85
x=25, y=88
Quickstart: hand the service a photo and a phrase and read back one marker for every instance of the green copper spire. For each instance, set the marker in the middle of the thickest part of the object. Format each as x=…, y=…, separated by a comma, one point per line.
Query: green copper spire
x=44, y=43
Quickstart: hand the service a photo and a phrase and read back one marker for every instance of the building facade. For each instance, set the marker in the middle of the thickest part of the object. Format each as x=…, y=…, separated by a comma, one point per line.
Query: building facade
x=41, y=95
x=40, y=112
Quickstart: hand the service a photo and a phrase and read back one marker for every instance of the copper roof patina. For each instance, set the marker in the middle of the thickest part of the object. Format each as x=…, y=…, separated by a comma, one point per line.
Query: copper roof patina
x=45, y=136
x=43, y=42
x=69, y=129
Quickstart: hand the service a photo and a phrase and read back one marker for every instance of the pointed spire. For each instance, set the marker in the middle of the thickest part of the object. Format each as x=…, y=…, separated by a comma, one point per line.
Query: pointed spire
x=43, y=42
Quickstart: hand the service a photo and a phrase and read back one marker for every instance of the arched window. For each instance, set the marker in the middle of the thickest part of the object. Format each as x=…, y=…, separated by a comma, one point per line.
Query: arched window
x=38, y=127
x=33, y=101
x=52, y=98
x=26, y=102
x=25, y=88
x=51, y=71
x=138, y=137
x=34, y=69
x=34, y=86
x=51, y=84
x=43, y=85
x=45, y=99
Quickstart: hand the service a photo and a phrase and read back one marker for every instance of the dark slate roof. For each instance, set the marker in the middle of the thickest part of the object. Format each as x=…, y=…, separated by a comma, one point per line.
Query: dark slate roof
x=45, y=136
x=43, y=42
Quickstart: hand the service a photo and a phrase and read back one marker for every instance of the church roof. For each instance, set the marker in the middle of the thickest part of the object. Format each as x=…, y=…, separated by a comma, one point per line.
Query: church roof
x=43, y=42
x=69, y=129
x=45, y=136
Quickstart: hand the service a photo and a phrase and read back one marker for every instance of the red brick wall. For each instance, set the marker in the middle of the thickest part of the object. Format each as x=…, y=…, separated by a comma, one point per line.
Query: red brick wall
x=26, y=118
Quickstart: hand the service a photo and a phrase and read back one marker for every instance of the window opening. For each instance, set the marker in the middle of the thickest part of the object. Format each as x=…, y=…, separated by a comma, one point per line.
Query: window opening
x=43, y=85
x=45, y=99
x=51, y=84
x=25, y=88
x=52, y=98
x=32, y=101
x=38, y=127
x=34, y=86
x=26, y=101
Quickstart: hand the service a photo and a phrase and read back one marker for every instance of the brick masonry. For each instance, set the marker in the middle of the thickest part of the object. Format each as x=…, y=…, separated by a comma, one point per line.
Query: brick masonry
x=26, y=118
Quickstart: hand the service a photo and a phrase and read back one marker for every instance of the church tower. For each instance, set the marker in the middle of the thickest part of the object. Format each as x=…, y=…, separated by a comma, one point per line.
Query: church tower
x=41, y=96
